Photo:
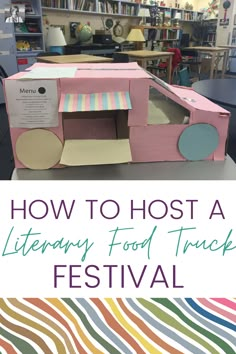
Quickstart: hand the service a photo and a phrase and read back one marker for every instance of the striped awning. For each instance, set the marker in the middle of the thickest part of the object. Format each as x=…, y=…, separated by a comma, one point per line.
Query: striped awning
x=94, y=102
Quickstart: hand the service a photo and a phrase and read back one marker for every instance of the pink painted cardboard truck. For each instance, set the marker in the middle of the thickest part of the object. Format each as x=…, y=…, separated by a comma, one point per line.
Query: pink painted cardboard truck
x=90, y=114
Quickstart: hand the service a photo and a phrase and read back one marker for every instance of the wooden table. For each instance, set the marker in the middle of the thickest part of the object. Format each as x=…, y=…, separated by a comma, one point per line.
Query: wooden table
x=230, y=47
x=143, y=56
x=75, y=58
x=215, y=54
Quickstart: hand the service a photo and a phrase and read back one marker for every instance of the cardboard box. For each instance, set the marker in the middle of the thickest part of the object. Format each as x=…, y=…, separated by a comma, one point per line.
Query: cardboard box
x=83, y=114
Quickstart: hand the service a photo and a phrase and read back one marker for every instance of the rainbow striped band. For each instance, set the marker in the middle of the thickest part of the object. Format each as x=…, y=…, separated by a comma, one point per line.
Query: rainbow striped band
x=94, y=102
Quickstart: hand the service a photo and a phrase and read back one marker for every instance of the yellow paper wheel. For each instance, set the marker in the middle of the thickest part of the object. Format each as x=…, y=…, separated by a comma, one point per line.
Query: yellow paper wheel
x=38, y=149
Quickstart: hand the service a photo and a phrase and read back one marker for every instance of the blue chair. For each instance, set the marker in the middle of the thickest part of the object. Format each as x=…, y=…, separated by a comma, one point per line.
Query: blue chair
x=184, y=79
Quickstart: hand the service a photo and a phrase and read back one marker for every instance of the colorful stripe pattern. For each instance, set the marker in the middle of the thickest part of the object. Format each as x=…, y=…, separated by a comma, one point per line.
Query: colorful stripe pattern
x=117, y=326
x=94, y=102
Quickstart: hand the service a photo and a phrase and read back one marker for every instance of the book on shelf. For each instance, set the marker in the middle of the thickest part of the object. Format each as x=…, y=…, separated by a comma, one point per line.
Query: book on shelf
x=190, y=16
x=57, y=4
x=46, y=3
x=89, y=5
x=76, y=4
x=112, y=8
x=128, y=9
x=108, y=7
x=211, y=37
x=101, y=7
x=158, y=35
x=29, y=26
x=83, y=5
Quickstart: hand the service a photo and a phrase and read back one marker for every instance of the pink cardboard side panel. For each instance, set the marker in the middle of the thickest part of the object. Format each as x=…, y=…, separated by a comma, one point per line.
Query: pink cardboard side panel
x=156, y=143
x=160, y=143
x=196, y=100
x=90, y=85
x=139, y=95
x=189, y=99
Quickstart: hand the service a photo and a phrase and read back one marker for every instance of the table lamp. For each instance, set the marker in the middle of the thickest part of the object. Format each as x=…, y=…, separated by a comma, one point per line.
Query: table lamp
x=55, y=40
x=176, y=19
x=143, y=12
x=136, y=35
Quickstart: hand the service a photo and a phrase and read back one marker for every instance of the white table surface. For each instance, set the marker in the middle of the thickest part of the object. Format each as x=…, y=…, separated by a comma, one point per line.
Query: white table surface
x=200, y=170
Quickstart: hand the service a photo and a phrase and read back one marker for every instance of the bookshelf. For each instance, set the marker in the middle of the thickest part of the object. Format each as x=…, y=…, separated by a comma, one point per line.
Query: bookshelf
x=7, y=48
x=160, y=37
x=117, y=8
x=210, y=35
x=186, y=15
x=28, y=35
x=106, y=7
x=21, y=42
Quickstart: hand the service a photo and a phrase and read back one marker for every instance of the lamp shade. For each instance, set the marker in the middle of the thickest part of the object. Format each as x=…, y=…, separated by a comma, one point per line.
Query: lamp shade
x=178, y=16
x=143, y=12
x=55, y=37
x=135, y=35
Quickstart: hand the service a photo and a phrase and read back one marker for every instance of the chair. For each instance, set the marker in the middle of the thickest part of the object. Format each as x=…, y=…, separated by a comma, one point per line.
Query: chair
x=162, y=66
x=3, y=73
x=184, y=79
x=120, y=58
x=190, y=59
x=176, y=60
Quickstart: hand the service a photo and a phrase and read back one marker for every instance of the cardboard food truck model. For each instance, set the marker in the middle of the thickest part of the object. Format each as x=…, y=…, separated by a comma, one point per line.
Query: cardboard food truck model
x=91, y=114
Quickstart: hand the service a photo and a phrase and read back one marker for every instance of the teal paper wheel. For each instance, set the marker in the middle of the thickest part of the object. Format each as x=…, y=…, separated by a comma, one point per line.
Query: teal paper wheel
x=198, y=141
